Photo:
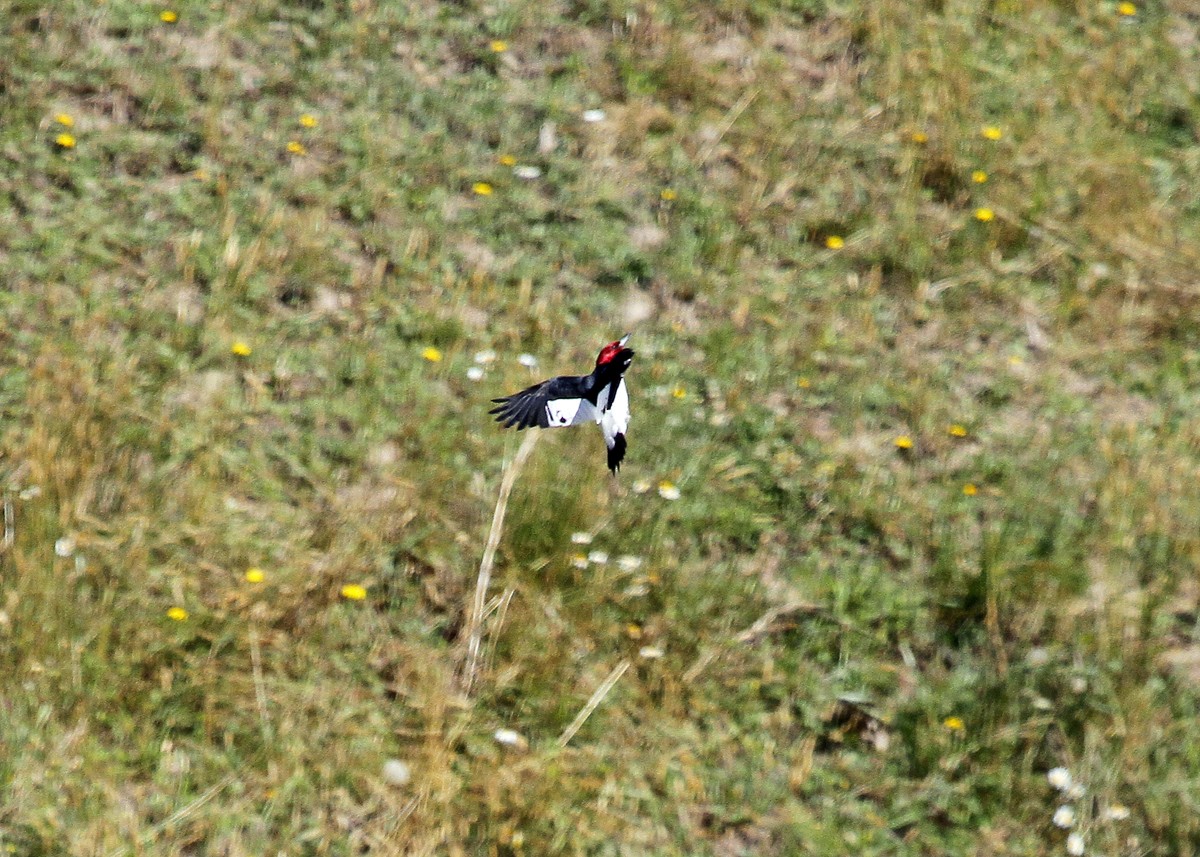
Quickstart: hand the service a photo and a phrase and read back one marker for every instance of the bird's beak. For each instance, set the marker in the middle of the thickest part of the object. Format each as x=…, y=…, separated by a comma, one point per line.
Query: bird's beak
x=624, y=339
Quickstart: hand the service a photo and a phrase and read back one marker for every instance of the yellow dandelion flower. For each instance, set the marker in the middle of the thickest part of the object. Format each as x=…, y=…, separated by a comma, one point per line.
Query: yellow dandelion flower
x=200, y=175
x=1127, y=10
x=65, y=141
x=1015, y=361
x=65, y=119
x=803, y=383
x=970, y=490
x=903, y=442
x=498, y=46
x=168, y=16
x=354, y=592
x=979, y=177
x=482, y=189
x=957, y=430
x=255, y=575
x=679, y=393
x=919, y=137
x=985, y=215
x=177, y=614
x=667, y=194
x=954, y=724
x=432, y=354
x=634, y=631
x=296, y=147
x=835, y=242
x=991, y=132
x=307, y=120
x=507, y=161
x=240, y=349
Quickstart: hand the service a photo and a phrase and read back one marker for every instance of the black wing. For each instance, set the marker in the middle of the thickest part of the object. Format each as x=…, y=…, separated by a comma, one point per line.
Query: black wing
x=527, y=409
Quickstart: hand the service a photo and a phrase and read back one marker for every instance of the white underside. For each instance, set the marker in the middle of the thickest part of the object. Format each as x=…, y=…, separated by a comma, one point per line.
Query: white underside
x=615, y=420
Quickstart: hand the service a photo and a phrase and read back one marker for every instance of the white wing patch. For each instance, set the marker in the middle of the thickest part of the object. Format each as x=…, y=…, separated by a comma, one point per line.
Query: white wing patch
x=570, y=412
x=615, y=420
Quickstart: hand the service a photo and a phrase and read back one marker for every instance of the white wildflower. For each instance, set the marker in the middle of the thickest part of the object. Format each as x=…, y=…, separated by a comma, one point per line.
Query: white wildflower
x=1064, y=817
x=629, y=563
x=650, y=653
x=1117, y=812
x=1060, y=778
x=598, y=557
x=595, y=115
x=396, y=773
x=475, y=373
x=65, y=546
x=641, y=486
x=1075, y=845
x=668, y=490
x=485, y=357
x=528, y=360
x=581, y=538
x=510, y=738
x=579, y=561
x=527, y=171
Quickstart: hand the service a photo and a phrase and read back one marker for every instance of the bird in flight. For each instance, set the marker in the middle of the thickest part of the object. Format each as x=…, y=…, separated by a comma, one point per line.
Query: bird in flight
x=569, y=400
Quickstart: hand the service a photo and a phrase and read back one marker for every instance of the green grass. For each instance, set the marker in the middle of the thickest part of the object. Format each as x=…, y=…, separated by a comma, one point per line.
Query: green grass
x=823, y=603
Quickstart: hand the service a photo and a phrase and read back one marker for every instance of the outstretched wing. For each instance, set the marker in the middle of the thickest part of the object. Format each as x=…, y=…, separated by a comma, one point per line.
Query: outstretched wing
x=550, y=404
x=526, y=409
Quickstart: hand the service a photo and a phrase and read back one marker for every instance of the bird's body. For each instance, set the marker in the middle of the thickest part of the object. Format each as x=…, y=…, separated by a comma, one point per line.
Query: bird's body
x=600, y=397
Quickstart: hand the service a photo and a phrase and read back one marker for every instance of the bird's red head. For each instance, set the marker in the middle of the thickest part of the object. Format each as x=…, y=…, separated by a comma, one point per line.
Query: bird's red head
x=610, y=351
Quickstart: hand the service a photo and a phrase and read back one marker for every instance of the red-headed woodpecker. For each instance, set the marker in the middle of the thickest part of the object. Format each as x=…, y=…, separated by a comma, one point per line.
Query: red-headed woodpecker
x=569, y=400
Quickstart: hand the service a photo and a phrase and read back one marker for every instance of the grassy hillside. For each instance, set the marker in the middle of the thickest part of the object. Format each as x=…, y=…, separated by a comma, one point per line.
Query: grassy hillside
x=909, y=517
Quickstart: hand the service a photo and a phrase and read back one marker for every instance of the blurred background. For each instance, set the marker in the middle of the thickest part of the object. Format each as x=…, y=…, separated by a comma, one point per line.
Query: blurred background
x=903, y=556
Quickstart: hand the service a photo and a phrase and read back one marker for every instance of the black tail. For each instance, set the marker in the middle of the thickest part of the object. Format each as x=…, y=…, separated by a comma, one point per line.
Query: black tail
x=616, y=452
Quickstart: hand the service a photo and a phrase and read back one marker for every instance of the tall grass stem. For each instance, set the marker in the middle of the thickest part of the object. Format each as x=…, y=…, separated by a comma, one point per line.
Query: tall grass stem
x=475, y=626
